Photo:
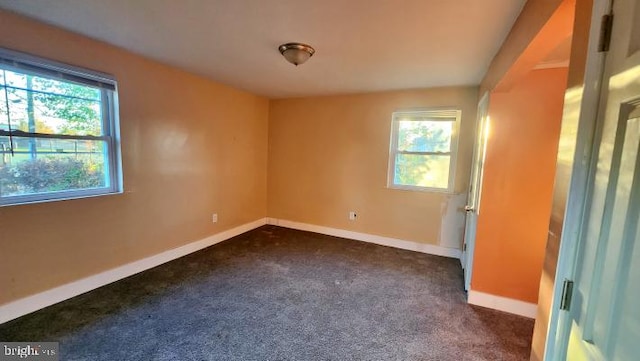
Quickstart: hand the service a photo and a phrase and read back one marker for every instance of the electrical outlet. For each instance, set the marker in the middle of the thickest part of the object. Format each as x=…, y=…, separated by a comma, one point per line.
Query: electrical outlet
x=352, y=215
x=214, y=218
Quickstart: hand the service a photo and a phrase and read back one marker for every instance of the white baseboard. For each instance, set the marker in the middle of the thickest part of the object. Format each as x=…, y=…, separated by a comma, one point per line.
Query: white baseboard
x=504, y=304
x=370, y=238
x=41, y=300
x=23, y=306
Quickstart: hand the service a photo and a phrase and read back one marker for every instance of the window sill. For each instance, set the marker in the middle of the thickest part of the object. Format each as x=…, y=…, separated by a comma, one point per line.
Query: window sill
x=420, y=189
x=23, y=201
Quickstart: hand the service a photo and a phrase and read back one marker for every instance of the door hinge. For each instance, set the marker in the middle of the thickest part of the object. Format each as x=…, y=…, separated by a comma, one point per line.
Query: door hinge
x=606, y=26
x=567, y=292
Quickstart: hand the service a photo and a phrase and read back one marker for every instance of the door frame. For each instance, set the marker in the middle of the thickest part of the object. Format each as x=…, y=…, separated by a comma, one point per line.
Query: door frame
x=472, y=210
x=583, y=164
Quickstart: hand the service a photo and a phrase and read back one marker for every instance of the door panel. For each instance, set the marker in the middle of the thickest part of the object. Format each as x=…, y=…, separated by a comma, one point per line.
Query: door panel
x=602, y=280
x=626, y=321
x=475, y=188
x=604, y=315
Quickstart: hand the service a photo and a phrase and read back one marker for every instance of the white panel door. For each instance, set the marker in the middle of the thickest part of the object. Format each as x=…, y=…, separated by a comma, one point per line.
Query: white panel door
x=475, y=187
x=604, y=316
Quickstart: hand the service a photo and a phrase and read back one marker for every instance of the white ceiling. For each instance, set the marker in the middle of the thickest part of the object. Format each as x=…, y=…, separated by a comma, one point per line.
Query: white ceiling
x=361, y=45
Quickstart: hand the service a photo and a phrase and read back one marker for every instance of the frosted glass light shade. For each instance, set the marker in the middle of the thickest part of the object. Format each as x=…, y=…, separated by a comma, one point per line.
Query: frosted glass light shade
x=296, y=53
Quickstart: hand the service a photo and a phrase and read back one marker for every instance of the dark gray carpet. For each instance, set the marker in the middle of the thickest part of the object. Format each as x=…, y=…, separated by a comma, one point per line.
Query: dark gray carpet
x=280, y=294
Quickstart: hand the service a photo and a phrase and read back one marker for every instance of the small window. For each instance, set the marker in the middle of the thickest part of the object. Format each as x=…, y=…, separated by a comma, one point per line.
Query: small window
x=423, y=150
x=58, y=131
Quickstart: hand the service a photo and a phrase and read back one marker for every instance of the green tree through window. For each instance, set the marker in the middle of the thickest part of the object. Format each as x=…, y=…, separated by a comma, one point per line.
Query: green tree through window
x=422, y=149
x=54, y=135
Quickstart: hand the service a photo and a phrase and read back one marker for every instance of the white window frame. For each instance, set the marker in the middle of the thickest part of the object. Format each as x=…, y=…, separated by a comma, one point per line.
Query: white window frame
x=29, y=64
x=432, y=114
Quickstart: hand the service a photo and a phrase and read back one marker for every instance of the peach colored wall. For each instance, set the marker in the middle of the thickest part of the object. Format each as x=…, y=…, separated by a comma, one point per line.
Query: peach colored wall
x=190, y=147
x=517, y=189
x=329, y=155
x=564, y=164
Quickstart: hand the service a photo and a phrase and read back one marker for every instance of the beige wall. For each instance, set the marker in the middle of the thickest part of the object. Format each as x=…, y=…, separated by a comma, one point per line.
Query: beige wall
x=329, y=155
x=190, y=147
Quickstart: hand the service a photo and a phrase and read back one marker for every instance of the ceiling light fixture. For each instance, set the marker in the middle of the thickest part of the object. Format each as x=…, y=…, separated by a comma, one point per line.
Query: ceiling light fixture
x=296, y=53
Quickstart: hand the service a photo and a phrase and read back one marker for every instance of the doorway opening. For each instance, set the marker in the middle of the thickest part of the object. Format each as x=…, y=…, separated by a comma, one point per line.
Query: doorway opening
x=525, y=111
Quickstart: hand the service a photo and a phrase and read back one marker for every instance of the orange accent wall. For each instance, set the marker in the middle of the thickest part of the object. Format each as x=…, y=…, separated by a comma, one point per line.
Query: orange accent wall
x=534, y=16
x=517, y=188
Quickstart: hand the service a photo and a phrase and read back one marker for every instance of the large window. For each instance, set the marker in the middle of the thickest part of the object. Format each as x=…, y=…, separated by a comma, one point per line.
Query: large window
x=58, y=131
x=423, y=149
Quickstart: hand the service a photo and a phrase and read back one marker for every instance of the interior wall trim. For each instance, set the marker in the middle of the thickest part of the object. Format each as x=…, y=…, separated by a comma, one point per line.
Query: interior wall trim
x=504, y=304
x=370, y=238
x=26, y=305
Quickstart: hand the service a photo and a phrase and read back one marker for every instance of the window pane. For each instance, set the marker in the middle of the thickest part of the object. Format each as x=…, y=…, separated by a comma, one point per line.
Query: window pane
x=422, y=170
x=41, y=165
x=42, y=105
x=424, y=136
x=65, y=88
x=4, y=120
